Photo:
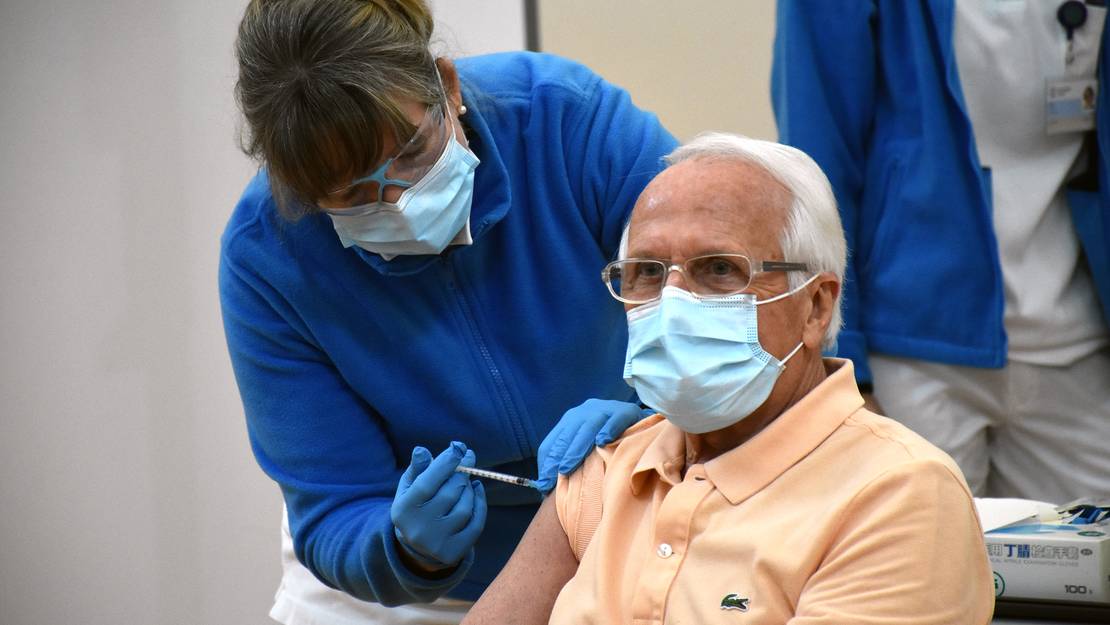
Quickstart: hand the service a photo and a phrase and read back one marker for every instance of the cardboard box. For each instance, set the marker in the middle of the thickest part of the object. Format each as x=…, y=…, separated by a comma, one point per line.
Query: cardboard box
x=1051, y=561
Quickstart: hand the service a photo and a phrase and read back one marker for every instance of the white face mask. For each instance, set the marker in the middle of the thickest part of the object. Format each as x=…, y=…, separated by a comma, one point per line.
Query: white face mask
x=424, y=219
x=698, y=360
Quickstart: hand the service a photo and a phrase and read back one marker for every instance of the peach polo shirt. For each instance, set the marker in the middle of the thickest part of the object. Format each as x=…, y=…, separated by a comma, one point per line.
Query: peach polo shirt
x=830, y=514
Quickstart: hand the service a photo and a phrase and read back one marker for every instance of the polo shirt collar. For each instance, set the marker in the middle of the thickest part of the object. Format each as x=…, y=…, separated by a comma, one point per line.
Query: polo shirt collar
x=741, y=472
x=666, y=455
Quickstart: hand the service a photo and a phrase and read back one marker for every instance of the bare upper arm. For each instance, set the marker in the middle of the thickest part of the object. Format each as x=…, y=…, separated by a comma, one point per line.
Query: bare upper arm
x=539, y=568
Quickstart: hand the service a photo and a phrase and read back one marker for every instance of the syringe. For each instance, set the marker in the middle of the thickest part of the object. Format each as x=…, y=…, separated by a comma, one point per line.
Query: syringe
x=500, y=477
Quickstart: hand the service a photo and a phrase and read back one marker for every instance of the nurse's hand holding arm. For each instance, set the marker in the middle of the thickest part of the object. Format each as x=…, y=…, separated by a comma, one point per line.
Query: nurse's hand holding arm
x=595, y=422
x=438, y=514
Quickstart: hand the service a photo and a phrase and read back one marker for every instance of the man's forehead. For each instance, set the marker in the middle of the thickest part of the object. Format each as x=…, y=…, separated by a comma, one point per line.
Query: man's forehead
x=734, y=201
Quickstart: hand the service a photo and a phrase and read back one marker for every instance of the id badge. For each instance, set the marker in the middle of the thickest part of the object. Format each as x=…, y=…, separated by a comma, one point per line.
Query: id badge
x=1070, y=105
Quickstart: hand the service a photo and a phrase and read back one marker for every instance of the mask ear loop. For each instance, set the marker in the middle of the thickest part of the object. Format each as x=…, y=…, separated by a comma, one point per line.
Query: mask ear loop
x=449, y=126
x=782, y=296
x=791, y=354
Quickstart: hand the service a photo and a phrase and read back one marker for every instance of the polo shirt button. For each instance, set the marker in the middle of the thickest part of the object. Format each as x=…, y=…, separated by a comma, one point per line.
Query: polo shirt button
x=664, y=550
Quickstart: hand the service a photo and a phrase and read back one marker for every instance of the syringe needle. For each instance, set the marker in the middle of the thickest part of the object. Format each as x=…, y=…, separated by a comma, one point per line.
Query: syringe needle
x=494, y=475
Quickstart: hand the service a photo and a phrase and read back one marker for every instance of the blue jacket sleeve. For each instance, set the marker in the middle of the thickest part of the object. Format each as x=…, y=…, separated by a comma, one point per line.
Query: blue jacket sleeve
x=823, y=92
x=613, y=150
x=321, y=443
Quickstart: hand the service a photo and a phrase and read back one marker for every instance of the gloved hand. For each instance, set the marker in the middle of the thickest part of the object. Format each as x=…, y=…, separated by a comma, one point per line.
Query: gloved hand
x=437, y=513
x=594, y=422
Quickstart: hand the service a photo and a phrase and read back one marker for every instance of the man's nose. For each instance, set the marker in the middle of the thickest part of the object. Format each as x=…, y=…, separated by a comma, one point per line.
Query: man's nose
x=676, y=277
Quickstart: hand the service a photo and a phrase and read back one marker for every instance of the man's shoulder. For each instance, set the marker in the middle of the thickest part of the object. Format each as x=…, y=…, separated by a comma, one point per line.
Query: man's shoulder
x=635, y=440
x=621, y=455
x=644, y=429
x=878, y=446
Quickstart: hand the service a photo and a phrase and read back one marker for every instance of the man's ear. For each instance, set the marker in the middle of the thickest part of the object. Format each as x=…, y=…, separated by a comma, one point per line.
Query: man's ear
x=823, y=292
x=450, y=78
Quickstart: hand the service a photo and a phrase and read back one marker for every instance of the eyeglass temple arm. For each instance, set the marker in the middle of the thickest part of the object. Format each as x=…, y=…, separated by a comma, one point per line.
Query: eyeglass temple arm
x=778, y=265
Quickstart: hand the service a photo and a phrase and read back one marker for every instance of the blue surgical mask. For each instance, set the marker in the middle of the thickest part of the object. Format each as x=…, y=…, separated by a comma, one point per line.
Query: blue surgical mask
x=698, y=360
x=426, y=217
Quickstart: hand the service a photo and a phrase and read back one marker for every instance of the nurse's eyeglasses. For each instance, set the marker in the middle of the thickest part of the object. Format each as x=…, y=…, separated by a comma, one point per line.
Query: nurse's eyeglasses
x=406, y=167
x=640, y=280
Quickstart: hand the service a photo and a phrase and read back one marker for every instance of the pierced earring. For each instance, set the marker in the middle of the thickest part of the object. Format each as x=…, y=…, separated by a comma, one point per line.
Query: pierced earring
x=462, y=109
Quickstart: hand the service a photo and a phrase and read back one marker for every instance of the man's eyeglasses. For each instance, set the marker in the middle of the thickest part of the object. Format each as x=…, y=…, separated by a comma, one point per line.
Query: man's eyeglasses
x=639, y=281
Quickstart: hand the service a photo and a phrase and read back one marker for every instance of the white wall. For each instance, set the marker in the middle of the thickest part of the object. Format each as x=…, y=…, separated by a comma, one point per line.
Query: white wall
x=128, y=494
x=702, y=65
x=466, y=27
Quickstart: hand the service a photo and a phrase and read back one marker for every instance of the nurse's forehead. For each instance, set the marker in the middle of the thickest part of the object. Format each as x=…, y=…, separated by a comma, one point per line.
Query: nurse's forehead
x=700, y=201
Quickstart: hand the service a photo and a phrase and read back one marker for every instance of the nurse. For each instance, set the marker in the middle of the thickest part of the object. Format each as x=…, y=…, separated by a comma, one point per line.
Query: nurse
x=410, y=284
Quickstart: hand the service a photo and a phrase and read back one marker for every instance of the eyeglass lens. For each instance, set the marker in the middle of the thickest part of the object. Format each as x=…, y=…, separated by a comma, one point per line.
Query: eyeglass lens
x=408, y=166
x=423, y=149
x=643, y=280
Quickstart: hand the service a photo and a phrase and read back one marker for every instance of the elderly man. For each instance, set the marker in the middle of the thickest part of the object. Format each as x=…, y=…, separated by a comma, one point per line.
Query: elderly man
x=762, y=486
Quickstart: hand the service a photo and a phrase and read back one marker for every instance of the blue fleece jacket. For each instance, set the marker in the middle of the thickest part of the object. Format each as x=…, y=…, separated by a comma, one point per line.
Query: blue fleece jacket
x=345, y=361
x=870, y=90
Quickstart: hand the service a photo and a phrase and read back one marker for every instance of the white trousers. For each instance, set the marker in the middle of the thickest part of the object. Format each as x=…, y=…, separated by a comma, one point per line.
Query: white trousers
x=1029, y=431
x=302, y=599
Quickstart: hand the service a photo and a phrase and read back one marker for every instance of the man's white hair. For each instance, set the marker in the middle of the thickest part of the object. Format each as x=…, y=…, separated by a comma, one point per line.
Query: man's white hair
x=813, y=233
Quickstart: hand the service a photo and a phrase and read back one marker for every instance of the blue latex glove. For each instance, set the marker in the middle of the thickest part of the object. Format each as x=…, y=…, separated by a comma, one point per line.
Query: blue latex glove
x=437, y=513
x=594, y=422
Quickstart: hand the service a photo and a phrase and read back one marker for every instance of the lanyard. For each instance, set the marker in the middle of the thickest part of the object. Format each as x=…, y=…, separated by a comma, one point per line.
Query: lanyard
x=1072, y=14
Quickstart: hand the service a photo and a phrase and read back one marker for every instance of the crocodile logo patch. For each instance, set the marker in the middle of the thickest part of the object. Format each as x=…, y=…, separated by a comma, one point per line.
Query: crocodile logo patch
x=734, y=601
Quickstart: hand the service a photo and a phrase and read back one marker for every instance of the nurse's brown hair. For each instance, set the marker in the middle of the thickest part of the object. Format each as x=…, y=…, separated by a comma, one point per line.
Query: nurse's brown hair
x=318, y=86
